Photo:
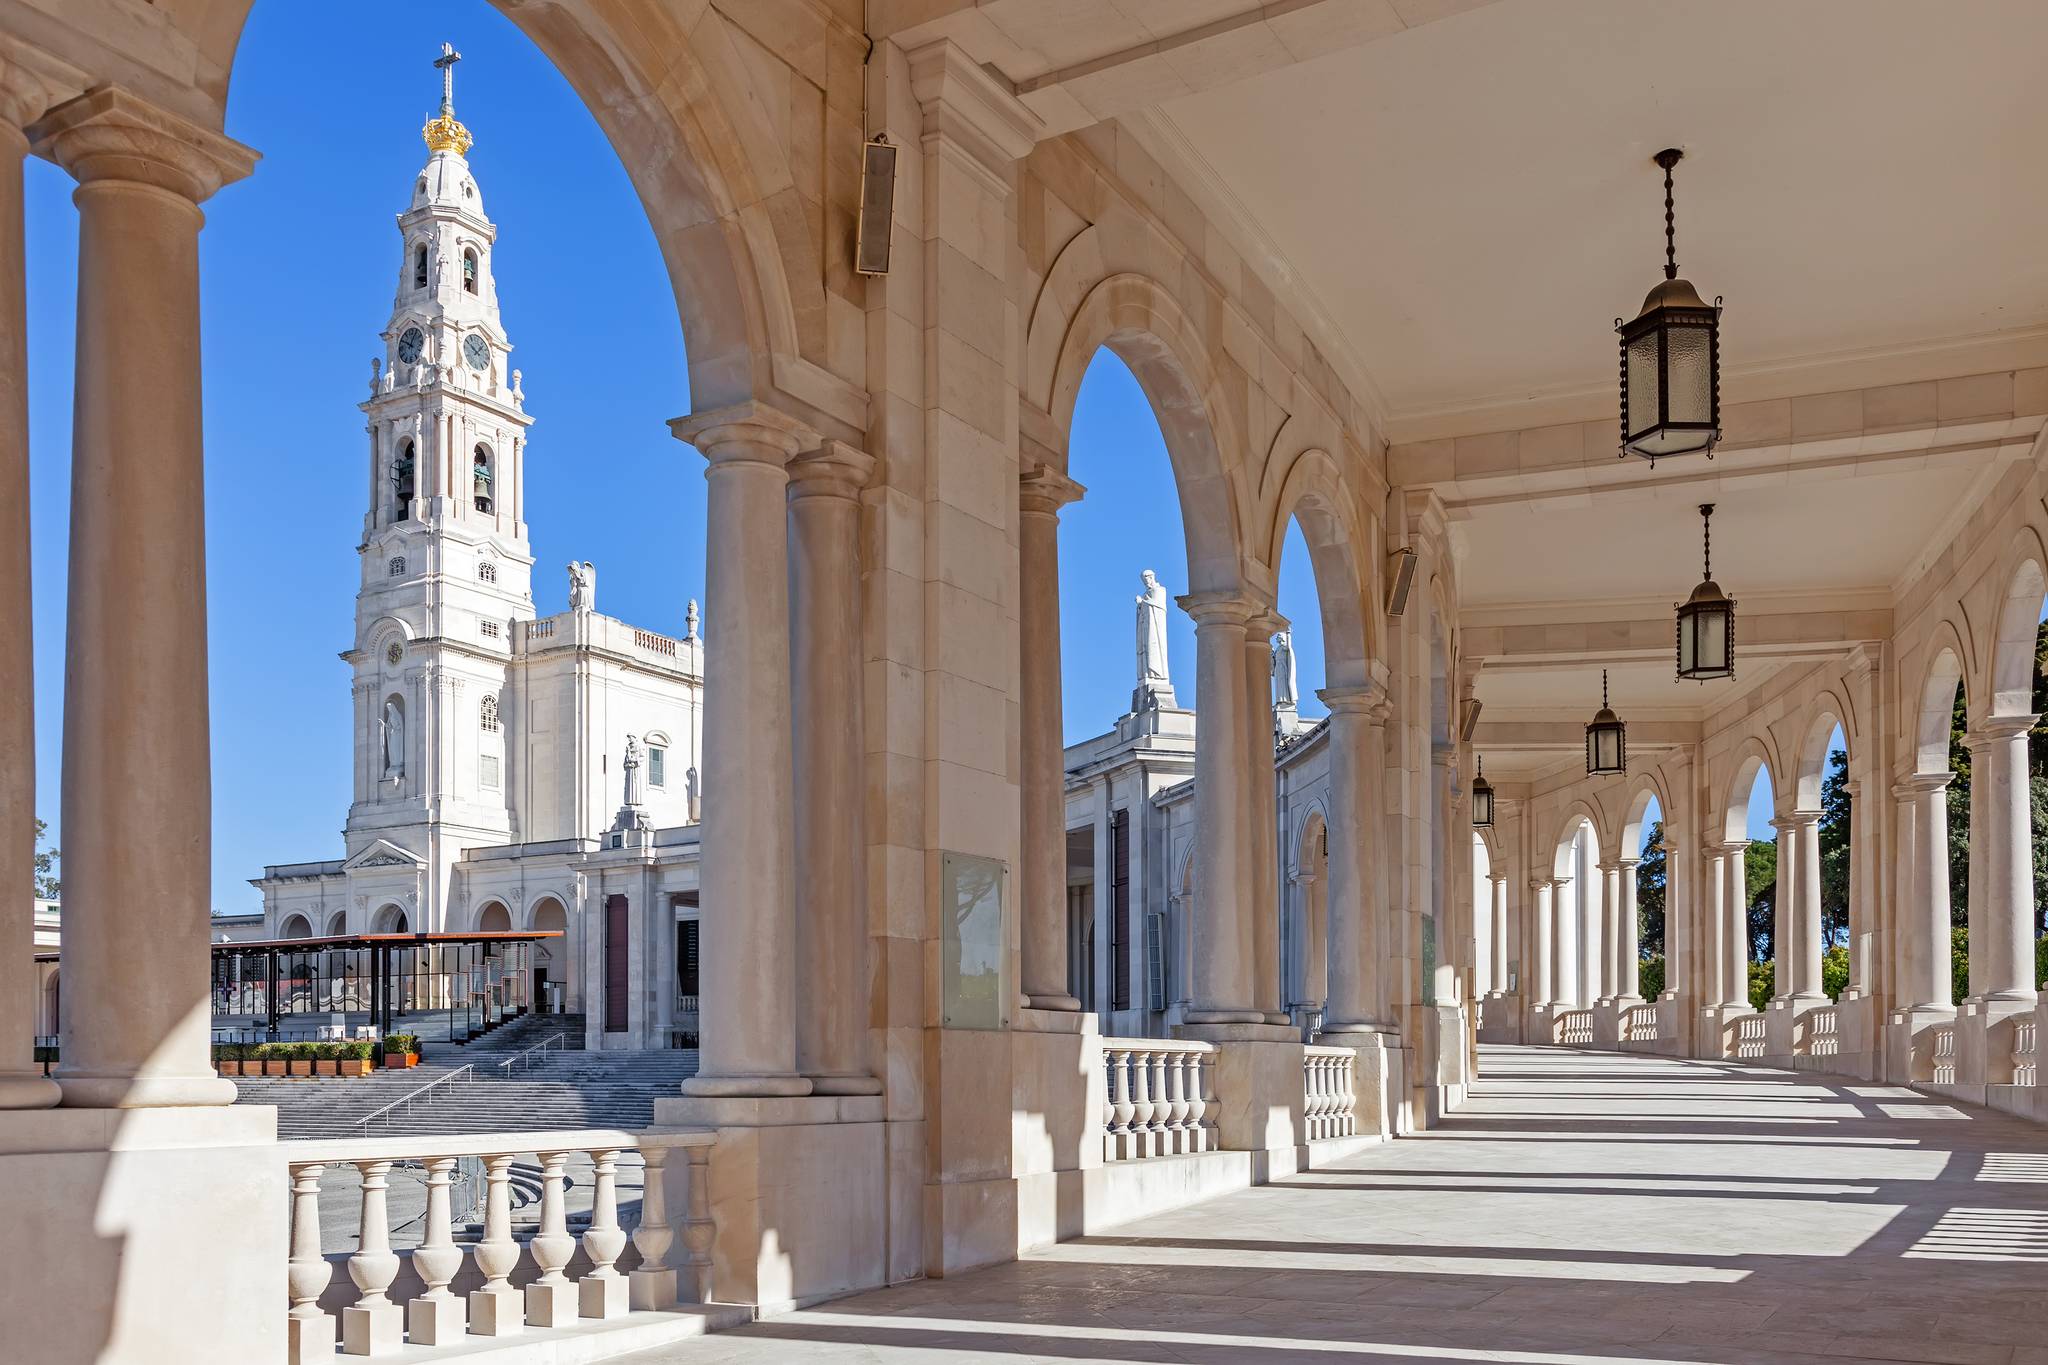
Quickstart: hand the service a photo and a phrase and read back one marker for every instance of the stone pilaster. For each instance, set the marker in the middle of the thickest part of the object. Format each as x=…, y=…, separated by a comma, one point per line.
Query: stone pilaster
x=137, y=765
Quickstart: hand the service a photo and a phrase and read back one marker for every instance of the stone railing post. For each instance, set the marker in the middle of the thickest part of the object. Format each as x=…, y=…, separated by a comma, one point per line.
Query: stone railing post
x=435, y=1318
x=601, y=1293
x=310, y=1331
x=551, y=1299
x=699, y=1230
x=494, y=1310
x=373, y=1326
x=653, y=1284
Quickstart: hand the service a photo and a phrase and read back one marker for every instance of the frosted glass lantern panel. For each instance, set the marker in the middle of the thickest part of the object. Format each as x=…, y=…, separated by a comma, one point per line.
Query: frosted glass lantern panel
x=1690, y=375
x=1643, y=383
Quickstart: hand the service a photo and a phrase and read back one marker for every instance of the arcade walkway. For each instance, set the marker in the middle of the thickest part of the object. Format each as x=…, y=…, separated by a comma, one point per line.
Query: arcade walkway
x=1584, y=1208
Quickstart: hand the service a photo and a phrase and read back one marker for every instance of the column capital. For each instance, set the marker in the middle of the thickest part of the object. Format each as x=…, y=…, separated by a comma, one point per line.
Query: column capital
x=1997, y=730
x=1628, y=864
x=833, y=469
x=1267, y=623
x=1042, y=491
x=966, y=107
x=32, y=82
x=746, y=431
x=1794, y=820
x=112, y=135
x=1219, y=607
x=1542, y=883
x=1367, y=700
x=1921, y=784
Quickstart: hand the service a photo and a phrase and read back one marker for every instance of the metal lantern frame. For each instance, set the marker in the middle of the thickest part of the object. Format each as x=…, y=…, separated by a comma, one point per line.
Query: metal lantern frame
x=1482, y=799
x=1606, y=729
x=1674, y=328
x=1706, y=620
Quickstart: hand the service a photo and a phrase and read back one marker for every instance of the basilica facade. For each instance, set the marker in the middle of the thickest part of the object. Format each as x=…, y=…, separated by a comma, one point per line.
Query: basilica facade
x=511, y=771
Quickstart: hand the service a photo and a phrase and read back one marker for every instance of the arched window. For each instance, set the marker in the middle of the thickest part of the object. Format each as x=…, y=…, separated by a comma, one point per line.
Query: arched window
x=490, y=715
x=480, y=477
x=469, y=272
x=487, y=572
x=396, y=568
x=401, y=482
x=419, y=267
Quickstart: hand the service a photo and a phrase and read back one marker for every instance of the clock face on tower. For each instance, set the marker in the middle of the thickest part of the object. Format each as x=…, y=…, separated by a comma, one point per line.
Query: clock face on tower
x=477, y=351
x=410, y=344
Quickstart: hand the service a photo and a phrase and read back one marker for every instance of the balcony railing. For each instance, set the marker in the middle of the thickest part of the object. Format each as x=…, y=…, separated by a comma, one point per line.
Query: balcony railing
x=374, y=1322
x=1824, y=1032
x=1752, y=1035
x=1329, y=1092
x=1574, y=1028
x=2026, y=1052
x=1945, y=1054
x=1639, y=1024
x=1158, y=1099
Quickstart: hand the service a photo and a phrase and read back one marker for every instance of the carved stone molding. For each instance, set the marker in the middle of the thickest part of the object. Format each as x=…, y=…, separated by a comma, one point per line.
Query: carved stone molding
x=109, y=134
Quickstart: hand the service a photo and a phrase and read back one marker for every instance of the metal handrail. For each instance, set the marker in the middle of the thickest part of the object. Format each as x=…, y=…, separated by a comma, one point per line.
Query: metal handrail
x=524, y=1055
x=466, y=1071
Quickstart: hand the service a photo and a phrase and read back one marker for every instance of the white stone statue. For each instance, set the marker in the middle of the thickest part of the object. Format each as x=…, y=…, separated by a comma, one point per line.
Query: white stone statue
x=394, y=739
x=1289, y=694
x=690, y=791
x=582, y=586
x=1154, y=688
x=690, y=621
x=635, y=795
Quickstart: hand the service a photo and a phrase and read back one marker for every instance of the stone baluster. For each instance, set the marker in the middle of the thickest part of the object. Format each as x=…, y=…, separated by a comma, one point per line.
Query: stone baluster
x=1191, y=1087
x=1177, y=1102
x=1322, y=1092
x=698, y=1228
x=435, y=1318
x=494, y=1309
x=602, y=1292
x=1347, y=1097
x=374, y=1326
x=1162, y=1105
x=1120, y=1106
x=1140, y=1141
x=551, y=1299
x=310, y=1332
x=1206, y=1072
x=653, y=1283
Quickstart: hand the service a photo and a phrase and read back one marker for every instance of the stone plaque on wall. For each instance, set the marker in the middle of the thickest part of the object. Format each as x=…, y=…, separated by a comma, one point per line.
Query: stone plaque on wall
x=971, y=895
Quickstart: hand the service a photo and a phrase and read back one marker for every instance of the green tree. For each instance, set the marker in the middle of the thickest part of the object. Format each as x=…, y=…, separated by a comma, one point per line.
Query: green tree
x=1761, y=987
x=1834, y=850
x=1650, y=976
x=1650, y=880
x=1958, y=815
x=1834, y=971
x=47, y=884
x=1760, y=876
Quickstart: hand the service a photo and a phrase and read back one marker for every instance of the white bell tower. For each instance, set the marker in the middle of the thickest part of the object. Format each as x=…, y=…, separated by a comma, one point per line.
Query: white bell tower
x=446, y=568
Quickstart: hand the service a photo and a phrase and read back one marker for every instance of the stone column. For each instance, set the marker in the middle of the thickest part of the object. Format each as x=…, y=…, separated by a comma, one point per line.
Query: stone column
x=1541, y=991
x=1923, y=980
x=1610, y=930
x=1802, y=830
x=1735, y=902
x=1565, y=899
x=1224, y=955
x=137, y=800
x=747, y=995
x=1500, y=936
x=1357, y=933
x=826, y=686
x=1263, y=813
x=24, y=95
x=2002, y=874
x=1712, y=919
x=1627, y=931
x=1042, y=883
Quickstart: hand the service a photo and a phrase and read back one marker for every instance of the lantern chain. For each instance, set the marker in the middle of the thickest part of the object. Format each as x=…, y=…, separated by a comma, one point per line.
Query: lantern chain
x=1707, y=529
x=1667, y=159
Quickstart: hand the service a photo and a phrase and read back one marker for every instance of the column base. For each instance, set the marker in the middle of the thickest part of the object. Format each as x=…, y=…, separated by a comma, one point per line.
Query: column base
x=602, y=1296
x=551, y=1305
x=778, y=1086
x=651, y=1289
x=435, y=1322
x=496, y=1312
x=1205, y=1015
x=28, y=1090
x=128, y=1090
x=1052, y=1002
x=375, y=1331
x=844, y=1083
x=309, y=1340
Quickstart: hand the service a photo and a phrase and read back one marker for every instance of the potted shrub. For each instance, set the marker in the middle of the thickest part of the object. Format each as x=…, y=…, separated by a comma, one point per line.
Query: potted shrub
x=353, y=1059
x=300, y=1055
x=400, y=1051
x=272, y=1055
x=326, y=1059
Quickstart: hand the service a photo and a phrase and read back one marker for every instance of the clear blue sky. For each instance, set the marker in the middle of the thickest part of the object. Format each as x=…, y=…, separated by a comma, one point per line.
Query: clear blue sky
x=298, y=267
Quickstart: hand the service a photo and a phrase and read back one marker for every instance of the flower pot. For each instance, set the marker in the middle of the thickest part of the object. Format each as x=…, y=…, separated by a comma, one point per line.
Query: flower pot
x=274, y=1066
x=412, y=1059
x=394, y=1061
x=354, y=1066
x=326, y=1066
x=300, y=1066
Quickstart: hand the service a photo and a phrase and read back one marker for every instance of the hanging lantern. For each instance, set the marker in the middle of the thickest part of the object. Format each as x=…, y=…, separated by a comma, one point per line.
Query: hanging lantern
x=1706, y=623
x=1671, y=359
x=1606, y=739
x=1482, y=799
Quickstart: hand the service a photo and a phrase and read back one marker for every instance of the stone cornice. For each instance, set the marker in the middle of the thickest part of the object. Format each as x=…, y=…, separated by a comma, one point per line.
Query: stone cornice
x=32, y=82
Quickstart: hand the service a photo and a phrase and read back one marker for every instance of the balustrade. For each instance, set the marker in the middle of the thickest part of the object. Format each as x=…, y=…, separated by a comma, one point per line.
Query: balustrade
x=1823, y=1036
x=1157, y=1098
x=1752, y=1038
x=1945, y=1054
x=1574, y=1028
x=1639, y=1024
x=376, y=1324
x=1329, y=1092
x=2026, y=1051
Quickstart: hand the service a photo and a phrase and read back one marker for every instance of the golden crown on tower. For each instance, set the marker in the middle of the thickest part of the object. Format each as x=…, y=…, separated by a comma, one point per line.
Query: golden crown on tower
x=443, y=133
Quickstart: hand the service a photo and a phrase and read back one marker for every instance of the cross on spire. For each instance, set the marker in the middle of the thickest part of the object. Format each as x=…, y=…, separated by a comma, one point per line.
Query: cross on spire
x=446, y=64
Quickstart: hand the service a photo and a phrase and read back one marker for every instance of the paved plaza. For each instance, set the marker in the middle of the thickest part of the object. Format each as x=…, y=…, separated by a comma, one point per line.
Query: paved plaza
x=1584, y=1207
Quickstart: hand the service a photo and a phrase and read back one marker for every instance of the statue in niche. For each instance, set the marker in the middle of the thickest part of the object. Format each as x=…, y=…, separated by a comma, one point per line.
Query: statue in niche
x=394, y=739
x=1154, y=688
x=1289, y=695
x=582, y=586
